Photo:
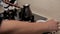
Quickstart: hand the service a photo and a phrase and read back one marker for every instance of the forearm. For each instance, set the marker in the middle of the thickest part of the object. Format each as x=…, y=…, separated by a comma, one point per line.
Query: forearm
x=23, y=26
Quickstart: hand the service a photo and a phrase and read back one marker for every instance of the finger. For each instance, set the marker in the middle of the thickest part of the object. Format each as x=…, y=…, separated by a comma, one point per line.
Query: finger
x=58, y=23
x=58, y=27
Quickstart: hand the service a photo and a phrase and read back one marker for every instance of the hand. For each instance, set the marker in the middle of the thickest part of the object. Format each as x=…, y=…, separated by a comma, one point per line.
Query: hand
x=52, y=25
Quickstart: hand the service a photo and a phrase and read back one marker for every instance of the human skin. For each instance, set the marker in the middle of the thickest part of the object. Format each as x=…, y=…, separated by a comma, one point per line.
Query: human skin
x=22, y=27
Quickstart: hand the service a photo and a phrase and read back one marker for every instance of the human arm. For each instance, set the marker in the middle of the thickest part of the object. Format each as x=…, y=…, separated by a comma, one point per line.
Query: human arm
x=25, y=27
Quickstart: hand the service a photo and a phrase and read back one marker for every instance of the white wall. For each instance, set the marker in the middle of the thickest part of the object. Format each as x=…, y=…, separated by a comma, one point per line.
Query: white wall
x=50, y=8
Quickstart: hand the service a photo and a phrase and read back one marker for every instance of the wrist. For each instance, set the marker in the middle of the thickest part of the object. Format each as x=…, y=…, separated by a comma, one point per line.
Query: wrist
x=46, y=27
